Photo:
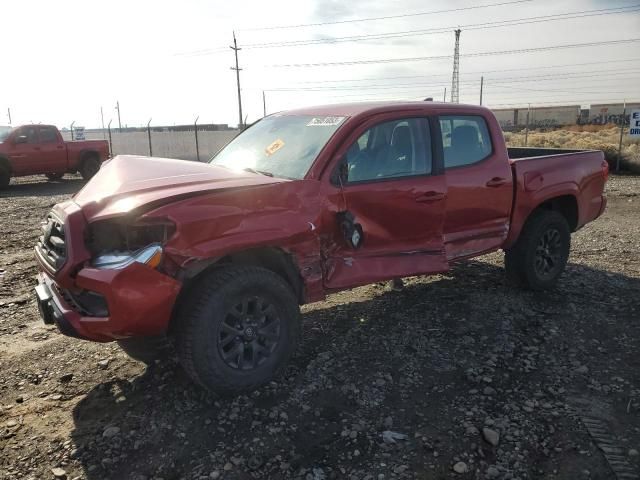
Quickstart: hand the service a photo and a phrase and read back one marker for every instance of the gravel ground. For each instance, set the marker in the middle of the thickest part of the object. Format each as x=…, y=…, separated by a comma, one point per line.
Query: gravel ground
x=456, y=376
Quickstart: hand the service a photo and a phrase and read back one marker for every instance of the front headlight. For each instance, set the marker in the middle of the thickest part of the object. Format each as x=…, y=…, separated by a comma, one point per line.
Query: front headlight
x=117, y=243
x=151, y=255
x=124, y=235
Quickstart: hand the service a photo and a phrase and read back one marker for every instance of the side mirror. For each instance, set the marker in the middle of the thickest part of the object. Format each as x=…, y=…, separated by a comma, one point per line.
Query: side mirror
x=340, y=175
x=20, y=139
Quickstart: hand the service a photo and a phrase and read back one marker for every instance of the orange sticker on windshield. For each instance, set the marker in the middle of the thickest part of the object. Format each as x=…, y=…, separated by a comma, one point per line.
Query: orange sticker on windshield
x=274, y=147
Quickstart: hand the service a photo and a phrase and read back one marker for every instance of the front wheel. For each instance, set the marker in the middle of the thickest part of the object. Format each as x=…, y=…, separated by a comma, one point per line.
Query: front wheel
x=540, y=255
x=237, y=329
x=5, y=178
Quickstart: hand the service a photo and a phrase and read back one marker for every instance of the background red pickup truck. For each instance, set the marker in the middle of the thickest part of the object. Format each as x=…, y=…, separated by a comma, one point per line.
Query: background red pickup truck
x=40, y=149
x=303, y=203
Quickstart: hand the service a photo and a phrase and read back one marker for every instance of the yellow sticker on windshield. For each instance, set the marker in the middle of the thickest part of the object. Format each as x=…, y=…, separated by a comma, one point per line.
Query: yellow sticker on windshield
x=274, y=147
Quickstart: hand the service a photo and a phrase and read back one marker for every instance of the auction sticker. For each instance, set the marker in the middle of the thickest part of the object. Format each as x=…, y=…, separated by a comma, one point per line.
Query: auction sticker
x=274, y=147
x=325, y=121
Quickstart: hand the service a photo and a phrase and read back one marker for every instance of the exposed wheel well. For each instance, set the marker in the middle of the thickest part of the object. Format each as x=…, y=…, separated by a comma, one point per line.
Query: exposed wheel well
x=270, y=258
x=566, y=205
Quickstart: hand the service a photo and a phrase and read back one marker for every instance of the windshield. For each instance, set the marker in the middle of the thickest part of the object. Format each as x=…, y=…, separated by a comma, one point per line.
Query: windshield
x=4, y=133
x=279, y=145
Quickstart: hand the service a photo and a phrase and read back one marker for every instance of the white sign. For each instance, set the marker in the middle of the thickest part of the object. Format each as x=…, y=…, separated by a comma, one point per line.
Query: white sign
x=78, y=133
x=634, y=124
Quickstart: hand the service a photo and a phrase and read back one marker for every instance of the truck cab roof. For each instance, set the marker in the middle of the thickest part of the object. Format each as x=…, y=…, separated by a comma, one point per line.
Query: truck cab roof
x=370, y=108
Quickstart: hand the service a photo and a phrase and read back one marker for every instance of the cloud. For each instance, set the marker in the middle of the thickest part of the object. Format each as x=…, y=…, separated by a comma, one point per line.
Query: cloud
x=333, y=10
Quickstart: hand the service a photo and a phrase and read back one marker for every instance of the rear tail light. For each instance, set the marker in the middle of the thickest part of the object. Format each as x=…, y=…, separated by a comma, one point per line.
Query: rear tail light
x=605, y=170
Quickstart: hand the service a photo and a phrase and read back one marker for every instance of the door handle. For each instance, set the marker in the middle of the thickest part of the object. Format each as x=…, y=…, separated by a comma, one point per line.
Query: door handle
x=429, y=197
x=496, y=182
x=59, y=147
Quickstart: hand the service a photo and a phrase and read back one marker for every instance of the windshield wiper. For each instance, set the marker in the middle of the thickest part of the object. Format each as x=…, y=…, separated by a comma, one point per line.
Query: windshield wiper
x=261, y=172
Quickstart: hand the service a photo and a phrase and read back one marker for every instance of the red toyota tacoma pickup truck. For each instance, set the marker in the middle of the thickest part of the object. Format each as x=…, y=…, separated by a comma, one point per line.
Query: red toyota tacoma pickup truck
x=40, y=149
x=219, y=256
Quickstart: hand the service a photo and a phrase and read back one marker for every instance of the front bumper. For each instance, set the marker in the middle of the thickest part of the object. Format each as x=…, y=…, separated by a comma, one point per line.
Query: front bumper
x=140, y=301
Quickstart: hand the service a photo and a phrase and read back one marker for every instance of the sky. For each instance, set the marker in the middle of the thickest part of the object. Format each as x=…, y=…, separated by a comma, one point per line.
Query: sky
x=169, y=62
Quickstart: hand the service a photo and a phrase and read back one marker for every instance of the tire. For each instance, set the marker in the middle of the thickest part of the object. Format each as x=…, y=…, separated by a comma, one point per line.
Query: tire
x=238, y=329
x=540, y=255
x=5, y=178
x=89, y=167
x=55, y=176
x=145, y=349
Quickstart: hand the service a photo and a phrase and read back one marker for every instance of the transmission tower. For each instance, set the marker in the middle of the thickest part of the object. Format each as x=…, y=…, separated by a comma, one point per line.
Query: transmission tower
x=455, y=93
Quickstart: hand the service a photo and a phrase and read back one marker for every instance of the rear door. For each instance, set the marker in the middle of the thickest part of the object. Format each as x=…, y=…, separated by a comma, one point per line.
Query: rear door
x=391, y=194
x=53, y=153
x=479, y=186
x=24, y=155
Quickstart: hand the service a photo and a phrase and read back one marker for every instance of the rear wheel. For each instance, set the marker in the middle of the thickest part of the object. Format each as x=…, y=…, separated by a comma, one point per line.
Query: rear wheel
x=55, y=176
x=238, y=329
x=90, y=166
x=540, y=255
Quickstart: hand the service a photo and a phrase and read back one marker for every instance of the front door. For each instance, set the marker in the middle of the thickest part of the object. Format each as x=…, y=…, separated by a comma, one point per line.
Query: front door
x=24, y=153
x=389, y=203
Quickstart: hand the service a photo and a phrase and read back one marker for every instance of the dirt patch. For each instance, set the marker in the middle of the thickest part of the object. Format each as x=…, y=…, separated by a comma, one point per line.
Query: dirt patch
x=456, y=373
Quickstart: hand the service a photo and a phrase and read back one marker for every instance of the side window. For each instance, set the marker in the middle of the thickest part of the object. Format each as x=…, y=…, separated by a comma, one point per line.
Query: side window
x=48, y=135
x=399, y=148
x=29, y=132
x=465, y=140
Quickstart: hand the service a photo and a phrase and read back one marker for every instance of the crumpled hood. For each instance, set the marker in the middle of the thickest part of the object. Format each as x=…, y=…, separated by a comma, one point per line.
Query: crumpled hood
x=128, y=182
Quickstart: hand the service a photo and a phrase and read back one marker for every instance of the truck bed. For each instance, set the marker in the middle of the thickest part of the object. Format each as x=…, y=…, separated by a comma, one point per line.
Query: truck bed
x=516, y=153
x=578, y=176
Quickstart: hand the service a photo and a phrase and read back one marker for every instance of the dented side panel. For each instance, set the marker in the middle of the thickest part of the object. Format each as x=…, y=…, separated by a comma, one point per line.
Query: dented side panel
x=401, y=233
x=284, y=216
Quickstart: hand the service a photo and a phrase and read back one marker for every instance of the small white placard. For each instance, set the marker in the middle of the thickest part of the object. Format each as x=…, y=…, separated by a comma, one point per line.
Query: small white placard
x=325, y=121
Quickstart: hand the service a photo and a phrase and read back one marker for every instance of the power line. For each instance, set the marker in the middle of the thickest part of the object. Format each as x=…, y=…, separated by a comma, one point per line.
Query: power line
x=470, y=87
x=388, y=17
x=442, y=30
x=432, y=31
x=479, y=72
x=443, y=57
x=489, y=80
x=591, y=101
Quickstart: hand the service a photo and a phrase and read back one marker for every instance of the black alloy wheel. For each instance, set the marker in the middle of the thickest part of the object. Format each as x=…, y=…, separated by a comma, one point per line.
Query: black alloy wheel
x=249, y=333
x=548, y=253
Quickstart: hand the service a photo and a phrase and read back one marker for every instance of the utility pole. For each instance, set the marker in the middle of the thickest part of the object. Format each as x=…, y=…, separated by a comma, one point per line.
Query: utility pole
x=624, y=118
x=455, y=81
x=9, y=115
x=237, y=69
x=102, y=118
x=444, y=97
x=526, y=128
x=481, y=85
x=119, y=123
x=264, y=105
